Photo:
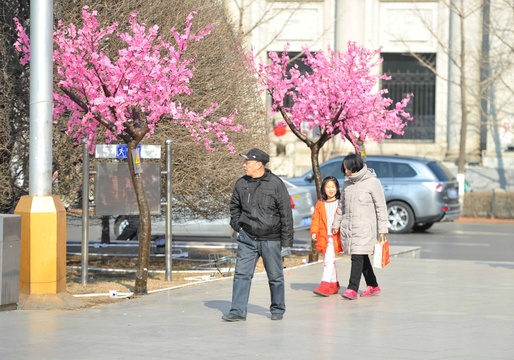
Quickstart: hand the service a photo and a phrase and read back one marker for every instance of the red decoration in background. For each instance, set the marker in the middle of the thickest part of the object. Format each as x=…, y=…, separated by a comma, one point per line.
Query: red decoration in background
x=280, y=130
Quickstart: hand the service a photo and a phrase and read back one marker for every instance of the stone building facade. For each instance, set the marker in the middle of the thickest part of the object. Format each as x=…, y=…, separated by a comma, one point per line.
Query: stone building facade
x=407, y=32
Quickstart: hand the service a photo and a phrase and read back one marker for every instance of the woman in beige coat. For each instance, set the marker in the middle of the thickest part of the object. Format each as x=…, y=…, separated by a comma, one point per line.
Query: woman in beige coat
x=361, y=216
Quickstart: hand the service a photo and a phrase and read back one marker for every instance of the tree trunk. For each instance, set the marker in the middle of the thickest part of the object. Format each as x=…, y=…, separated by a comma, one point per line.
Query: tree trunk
x=464, y=107
x=143, y=259
x=314, y=254
x=315, y=148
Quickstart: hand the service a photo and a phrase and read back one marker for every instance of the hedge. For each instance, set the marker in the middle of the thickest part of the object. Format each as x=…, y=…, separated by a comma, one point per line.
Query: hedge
x=496, y=203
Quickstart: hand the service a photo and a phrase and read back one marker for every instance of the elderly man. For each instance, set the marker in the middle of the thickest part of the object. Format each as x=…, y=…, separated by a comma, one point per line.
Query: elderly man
x=260, y=211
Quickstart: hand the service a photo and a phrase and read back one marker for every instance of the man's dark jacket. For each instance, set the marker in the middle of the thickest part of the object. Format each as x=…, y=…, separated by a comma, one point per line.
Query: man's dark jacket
x=261, y=207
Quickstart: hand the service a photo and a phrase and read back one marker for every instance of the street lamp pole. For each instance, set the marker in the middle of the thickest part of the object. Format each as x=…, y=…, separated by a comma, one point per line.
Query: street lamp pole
x=41, y=97
x=43, y=225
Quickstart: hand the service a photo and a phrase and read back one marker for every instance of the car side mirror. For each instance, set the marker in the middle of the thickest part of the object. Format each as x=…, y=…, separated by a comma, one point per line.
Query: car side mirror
x=309, y=177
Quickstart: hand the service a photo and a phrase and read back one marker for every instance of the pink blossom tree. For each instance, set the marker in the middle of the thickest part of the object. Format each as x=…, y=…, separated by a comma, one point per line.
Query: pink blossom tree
x=340, y=96
x=124, y=96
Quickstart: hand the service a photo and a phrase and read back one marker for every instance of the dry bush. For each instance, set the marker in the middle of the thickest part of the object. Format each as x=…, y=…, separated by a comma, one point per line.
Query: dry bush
x=487, y=204
x=477, y=204
x=14, y=109
x=503, y=204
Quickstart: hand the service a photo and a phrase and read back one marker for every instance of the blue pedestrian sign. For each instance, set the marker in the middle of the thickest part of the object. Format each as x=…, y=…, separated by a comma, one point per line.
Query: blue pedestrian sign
x=122, y=151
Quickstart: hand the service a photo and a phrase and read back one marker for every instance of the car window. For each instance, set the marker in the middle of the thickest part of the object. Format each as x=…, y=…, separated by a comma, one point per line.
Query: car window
x=332, y=169
x=382, y=169
x=402, y=170
x=441, y=172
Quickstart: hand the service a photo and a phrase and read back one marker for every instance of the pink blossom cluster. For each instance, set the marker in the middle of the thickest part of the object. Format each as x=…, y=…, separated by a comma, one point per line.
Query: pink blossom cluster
x=135, y=88
x=340, y=94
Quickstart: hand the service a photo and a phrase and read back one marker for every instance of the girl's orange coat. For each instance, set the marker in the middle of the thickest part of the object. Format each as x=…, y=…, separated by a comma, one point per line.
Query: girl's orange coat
x=319, y=227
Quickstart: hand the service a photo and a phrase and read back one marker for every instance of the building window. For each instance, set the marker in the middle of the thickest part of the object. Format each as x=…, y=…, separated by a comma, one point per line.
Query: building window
x=296, y=58
x=409, y=76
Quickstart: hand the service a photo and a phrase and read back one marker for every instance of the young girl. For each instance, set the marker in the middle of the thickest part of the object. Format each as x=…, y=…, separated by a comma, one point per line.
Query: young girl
x=321, y=232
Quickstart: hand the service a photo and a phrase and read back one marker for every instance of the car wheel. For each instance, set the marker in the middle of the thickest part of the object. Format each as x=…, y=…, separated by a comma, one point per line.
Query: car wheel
x=400, y=217
x=422, y=227
x=120, y=223
x=126, y=227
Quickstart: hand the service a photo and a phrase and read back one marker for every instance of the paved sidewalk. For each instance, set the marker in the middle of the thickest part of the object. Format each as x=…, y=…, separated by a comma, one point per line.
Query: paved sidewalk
x=428, y=309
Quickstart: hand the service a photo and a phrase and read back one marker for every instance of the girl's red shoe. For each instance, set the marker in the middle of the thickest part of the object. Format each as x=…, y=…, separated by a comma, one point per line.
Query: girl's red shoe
x=326, y=289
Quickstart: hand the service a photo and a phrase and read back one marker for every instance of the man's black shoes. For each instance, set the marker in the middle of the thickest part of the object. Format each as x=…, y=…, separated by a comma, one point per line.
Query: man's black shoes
x=233, y=318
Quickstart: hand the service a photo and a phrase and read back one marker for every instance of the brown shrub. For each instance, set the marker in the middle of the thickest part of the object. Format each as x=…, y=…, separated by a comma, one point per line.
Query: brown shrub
x=489, y=204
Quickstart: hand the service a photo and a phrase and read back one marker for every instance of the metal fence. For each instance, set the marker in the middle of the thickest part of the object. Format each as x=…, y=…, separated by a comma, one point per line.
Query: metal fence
x=421, y=106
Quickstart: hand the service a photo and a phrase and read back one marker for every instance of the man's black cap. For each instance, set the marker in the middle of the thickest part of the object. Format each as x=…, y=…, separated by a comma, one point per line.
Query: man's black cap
x=257, y=155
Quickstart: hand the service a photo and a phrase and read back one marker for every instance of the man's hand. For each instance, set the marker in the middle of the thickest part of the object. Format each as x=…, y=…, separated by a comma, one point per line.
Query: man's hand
x=314, y=237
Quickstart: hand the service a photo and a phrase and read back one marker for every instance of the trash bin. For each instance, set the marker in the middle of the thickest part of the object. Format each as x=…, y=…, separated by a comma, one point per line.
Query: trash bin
x=10, y=235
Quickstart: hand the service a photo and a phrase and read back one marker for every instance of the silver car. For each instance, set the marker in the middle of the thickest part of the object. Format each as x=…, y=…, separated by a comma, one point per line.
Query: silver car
x=301, y=203
x=125, y=227
x=418, y=191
